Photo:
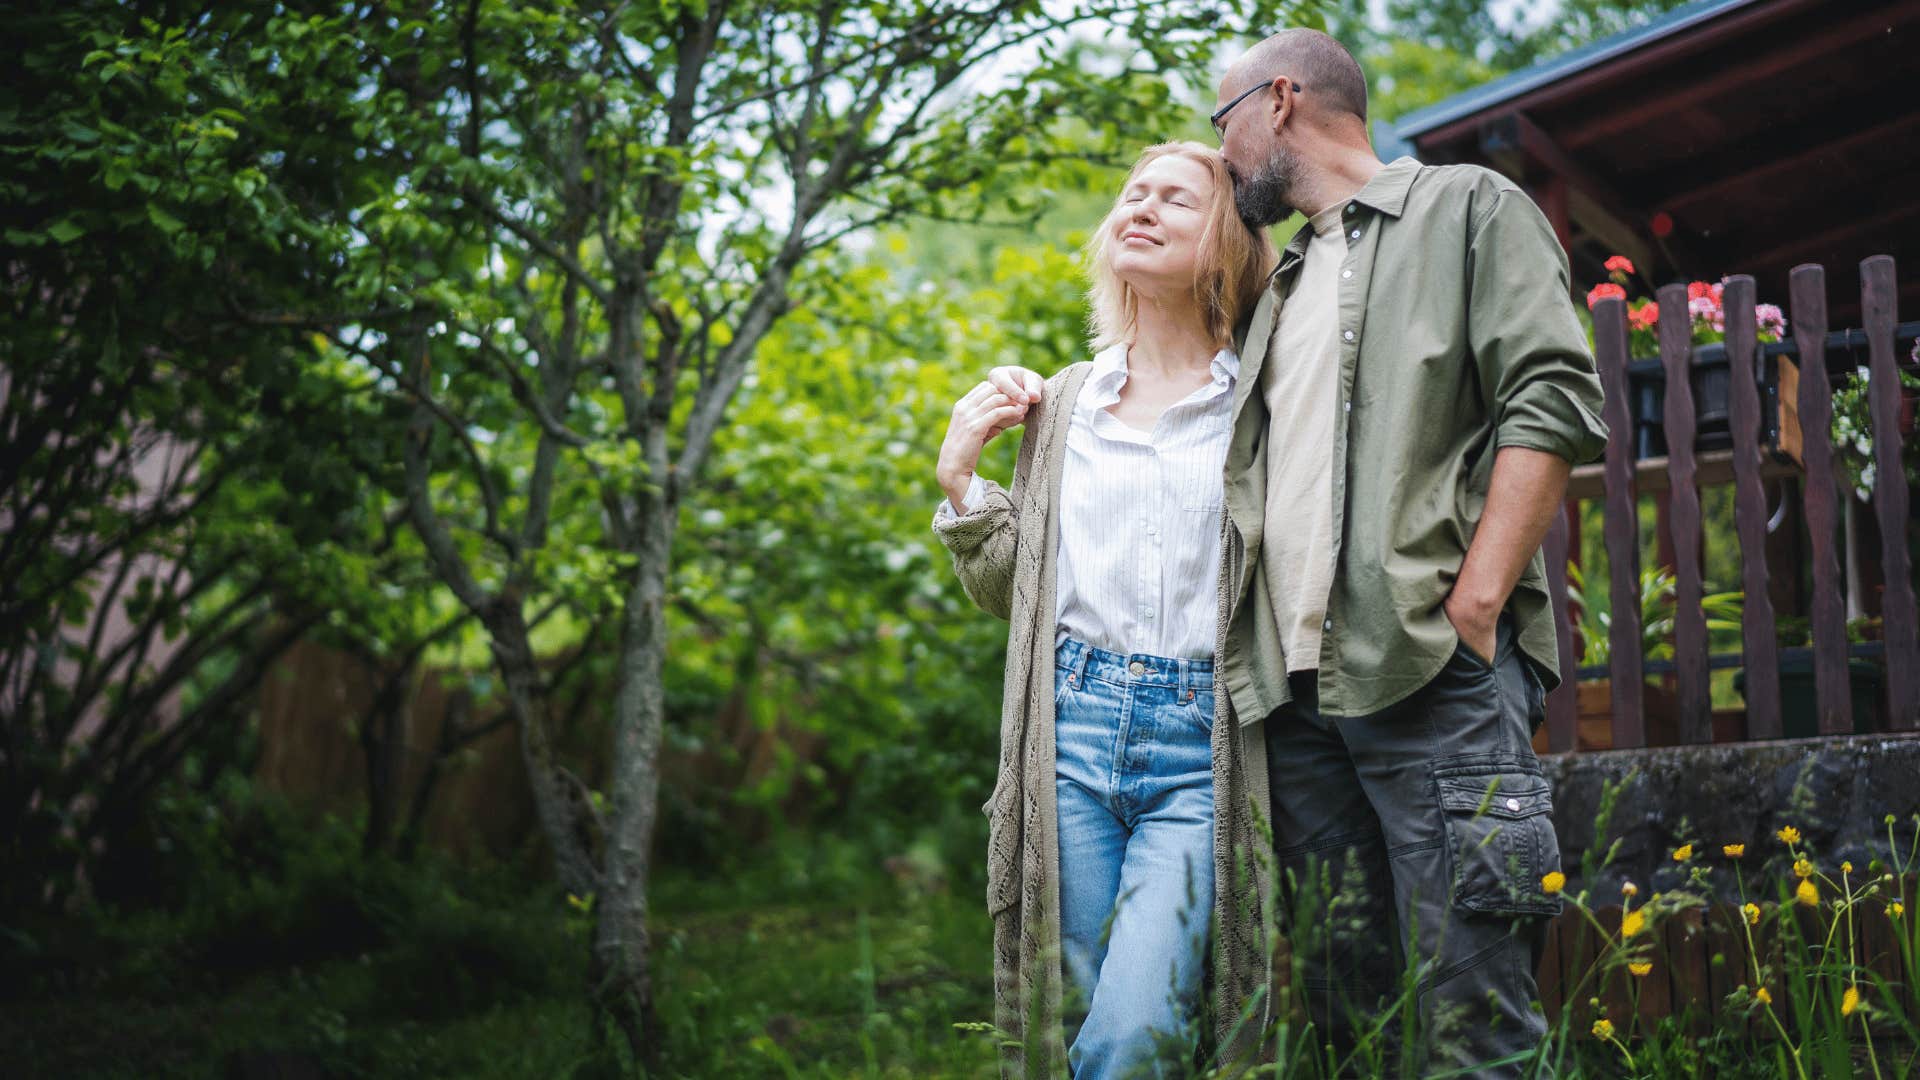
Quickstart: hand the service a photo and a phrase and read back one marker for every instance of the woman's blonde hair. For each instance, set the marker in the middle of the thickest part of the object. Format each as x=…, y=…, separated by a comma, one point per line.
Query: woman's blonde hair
x=1233, y=260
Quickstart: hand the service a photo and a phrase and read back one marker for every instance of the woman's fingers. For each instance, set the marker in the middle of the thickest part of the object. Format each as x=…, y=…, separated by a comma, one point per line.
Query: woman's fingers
x=994, y=421
x=1012, y=381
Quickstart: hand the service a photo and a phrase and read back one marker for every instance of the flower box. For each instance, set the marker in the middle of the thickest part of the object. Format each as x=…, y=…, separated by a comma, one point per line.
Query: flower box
x=1779, y=414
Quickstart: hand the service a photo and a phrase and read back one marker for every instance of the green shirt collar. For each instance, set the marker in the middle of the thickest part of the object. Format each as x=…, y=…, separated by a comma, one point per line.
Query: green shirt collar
x=1386, y=192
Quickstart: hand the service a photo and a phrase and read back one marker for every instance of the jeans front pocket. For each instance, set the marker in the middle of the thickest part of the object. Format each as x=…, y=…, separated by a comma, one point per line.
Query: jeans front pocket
x=1500, y=839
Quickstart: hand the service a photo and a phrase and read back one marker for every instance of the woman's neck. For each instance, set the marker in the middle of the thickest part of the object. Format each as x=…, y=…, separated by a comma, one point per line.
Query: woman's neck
x=1170, y=338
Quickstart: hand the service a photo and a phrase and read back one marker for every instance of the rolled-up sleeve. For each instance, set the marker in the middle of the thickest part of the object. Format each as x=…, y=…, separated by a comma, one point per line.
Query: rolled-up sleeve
x=1534, y=362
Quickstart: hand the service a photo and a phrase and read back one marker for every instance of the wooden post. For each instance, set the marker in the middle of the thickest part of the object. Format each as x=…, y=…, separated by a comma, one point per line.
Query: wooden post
x=1878, y=297
x=1683, y=519
x=1759, y=649
x=1622, y=528
x=1832, y=692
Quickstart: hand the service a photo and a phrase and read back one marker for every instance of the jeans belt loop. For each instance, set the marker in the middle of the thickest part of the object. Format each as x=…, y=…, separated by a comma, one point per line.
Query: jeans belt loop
x=1080, y=662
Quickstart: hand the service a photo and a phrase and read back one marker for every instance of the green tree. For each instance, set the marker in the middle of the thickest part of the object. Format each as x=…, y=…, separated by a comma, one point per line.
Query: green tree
x=187, y=479
x=596, y=217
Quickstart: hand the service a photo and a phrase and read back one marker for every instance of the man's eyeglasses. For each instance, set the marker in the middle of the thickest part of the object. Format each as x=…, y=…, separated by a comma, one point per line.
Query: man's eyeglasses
x=1221, y=113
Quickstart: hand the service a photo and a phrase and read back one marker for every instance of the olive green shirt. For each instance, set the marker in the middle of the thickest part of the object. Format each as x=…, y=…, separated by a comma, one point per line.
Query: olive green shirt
x=1457, y=337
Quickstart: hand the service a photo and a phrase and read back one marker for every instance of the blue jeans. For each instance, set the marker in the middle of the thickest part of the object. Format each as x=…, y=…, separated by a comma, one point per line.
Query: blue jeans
x=1134, y=779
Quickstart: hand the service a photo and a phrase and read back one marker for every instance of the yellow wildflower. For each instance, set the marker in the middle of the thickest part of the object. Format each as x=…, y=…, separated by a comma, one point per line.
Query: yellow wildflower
x=1603, y=1028
x=1850, y=1001
x=1628, y=888
x=1683, y=853
x=1762, y=996
x=1633, y=923
x=1807, y=894
x=1846, y=868
x=1789, y=835
x=1752, y=912
x=1802, y=868
x=1640, y=967
x=1733, y=851
x=1553, y=883
x=1896, y=909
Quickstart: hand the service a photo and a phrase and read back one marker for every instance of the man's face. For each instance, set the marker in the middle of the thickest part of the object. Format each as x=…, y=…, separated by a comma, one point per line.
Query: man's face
x=1264, y=170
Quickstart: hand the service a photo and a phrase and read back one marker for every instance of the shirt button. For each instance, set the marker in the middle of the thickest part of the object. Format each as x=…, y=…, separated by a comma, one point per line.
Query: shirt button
x=1346, y=273
x=1137, y=668
x=1351, y=207
x=1347, y=334
x=1355, y=234
x=1149, y=613
x=1349, y=406
x=1513, y=804
x=1328, y=625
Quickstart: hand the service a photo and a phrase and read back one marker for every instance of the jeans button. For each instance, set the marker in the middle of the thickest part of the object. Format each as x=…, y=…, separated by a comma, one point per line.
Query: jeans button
x=1137, y=669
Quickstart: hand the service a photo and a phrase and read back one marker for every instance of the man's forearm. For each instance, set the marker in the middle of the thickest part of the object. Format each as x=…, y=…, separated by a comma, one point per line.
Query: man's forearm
x=1522, y=497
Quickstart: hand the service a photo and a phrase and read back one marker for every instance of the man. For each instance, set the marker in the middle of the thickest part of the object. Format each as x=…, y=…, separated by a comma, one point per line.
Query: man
x=1414, y=389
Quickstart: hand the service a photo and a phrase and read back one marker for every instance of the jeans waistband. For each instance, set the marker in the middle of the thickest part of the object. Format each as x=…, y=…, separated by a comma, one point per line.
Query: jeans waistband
x=1089, y=662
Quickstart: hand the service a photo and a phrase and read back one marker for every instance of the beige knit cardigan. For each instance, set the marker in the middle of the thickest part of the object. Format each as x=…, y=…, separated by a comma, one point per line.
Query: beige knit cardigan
x=1004, y=553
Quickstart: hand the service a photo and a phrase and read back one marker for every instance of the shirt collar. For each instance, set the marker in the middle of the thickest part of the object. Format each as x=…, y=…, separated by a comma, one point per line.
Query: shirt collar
x=1386, y=192
x=1109, y=374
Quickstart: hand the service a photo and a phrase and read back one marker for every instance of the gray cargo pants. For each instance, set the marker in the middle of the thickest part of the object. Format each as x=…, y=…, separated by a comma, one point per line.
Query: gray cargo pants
x=1415, y=839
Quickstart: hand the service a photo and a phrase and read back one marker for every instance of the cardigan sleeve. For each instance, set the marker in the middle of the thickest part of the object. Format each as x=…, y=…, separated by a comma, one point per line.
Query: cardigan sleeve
x=984, y=540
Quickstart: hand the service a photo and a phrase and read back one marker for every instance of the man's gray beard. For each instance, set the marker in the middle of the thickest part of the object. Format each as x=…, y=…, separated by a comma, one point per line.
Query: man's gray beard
x=1262, y=199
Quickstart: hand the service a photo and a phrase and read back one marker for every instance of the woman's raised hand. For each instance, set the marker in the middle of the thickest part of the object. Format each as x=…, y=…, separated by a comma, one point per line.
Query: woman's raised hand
x=996, y=404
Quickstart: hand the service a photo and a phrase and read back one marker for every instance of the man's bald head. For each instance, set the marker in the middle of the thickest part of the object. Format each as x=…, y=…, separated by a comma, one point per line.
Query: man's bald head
x=1325, y=70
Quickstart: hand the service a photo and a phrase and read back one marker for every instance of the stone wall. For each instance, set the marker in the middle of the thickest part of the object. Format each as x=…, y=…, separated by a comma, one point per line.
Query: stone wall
x=1837, y=792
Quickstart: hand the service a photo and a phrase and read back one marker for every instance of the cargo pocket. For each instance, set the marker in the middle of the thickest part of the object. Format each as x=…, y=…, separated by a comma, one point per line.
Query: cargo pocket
x=1500, y=840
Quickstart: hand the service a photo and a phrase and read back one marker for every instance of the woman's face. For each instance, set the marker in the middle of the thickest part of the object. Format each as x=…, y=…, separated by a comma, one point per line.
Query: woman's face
x=1154, y=235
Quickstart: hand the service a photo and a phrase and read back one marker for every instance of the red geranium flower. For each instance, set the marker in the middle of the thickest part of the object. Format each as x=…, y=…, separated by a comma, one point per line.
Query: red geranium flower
x=1620, y=264
x=1603, y=291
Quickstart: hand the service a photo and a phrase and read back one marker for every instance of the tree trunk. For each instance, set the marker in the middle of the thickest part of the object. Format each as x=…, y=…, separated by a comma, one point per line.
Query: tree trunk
x=622, y=979
x=560, y=810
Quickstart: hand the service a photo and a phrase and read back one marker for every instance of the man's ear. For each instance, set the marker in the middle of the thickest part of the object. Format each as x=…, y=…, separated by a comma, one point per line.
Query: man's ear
x=1284, y=102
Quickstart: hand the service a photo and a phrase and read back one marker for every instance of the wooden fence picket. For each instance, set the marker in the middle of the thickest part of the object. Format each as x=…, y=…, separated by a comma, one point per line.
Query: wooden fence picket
x=1832, y=694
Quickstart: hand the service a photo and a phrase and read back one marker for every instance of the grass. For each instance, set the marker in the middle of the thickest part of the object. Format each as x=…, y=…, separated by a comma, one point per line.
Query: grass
x=327, y=967
x=299, y=958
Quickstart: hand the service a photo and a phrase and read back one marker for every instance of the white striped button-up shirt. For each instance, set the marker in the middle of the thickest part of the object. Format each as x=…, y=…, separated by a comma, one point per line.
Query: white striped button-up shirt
x=1139, y=555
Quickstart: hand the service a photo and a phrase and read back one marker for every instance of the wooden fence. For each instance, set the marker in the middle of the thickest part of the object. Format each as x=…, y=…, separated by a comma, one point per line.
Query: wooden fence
x=1800, y=393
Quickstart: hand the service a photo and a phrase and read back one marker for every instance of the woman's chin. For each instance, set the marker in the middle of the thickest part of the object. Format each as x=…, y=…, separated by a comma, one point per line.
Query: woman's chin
x=1152, y=278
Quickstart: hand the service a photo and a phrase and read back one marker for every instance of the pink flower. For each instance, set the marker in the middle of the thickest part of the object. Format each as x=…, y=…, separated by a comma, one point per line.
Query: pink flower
x=1769, y=319
x=1643, y=316
x=1619, y=264
x=1606, y=290
x=1702, y=308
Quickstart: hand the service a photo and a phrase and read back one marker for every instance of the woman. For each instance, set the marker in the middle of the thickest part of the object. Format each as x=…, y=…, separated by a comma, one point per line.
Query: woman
x=1105, y=558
